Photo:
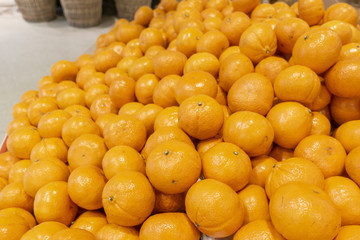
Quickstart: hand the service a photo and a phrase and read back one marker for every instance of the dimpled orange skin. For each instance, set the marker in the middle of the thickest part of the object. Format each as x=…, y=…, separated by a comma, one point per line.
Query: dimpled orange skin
x=318, y=49
x=226, y=214
x=303, y=211
x=343, y=79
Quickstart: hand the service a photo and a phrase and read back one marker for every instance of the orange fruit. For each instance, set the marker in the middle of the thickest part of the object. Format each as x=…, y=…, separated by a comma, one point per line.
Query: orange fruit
x=78, y=110
x=143, y=15
x=261, y=167
x=102, y=104
x=227, y=52
x=349, y=135
x=39, y=107
x=22, y=140
x=130, y=108
x=349, y=51
x=187, y=39
x=317, y=48
x=270, y=67
x=103, y=119
x=12, y=227
x=250, y=131
x=345, y=194
x=320, y=124
x=50, y=124
x=19, y=110
x=7, y=160
x=144, y=88
x=211, y=13
x=234, y=25
x=232, y=68
x=49, y=90
x=256, y=230
x=150, y=37
x=128, y=198
x=17, y=171
x=349, y=232
x=297, y=83
x=255, y=202
x=343, y=29
x=168, y=62
x=125, y=63
x=252, y=92
x=61, y=86
x=43, y=171
x=342, y=11
x=122, y=158
x=168, y=226
x=355, y=34
x=73, y=233
x=43, y=230
x=200, y=116
x=49, y=147
x=85, y=186
x=295, y=169
x=288, y=31
x=311, y=11
x=214, y=208
x=76, y=126
x=112, y=74
x=202, y=61
x=325, y=151
x=193, y=83
x=84, y=74
x=115, y=231
x=316, y=217
x=212, y=23
x=344, y=109
x=169, y=202
x=263, y=12
x=29, y=218
x=286, y=116
x=91, y=221
x=227, y=163
x=128, y=31
x=341, y=79
x=141, y=66
x=322, y=100
x=245, y=6
x=163, y=135
x=85, y=60
x=147, y=115
x=52, y=203
x=164, y=91
x=87, y=149
x=95, y=78
x=258, y=42
x=3, y=182
x=122, y=91
x=31, y=95
x=94, y=91
x=352, y=162
x=14, y=195
x=64, y=70
x=162, y=167
x=168, y=117
x=106, y=59
x=70, y=96
x=213, y=41
x=153, y=51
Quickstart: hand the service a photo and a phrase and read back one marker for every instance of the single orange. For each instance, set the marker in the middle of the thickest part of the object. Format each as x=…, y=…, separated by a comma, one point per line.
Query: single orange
x=245, y=6
x=64, y=70
x=250, y=131
x=14, y=195
x=164, y=91
x=187, y=39
x=214, y=208
x=17, y=123
x=73, y=233
x=122, y=91
x=12, y=227
x=234, y=25
x=202, y=61
x=22, y=140
x=213, y=41
x=261, y=167
x=168, y=226
x=201, y=116
x=39, y=107
x=50, y=124
x=227, y=163
x=287, y=116
x=17, y=171
x=122, y=158
x=311, y=11
x=342, y=11
x=348, y=134
x=352, y=163
x=349, y=232
x=144, y=88
x=343, y=29
x=147, y=115
x=168, y=117
x=344, y=109
x=320, y=124
x=128, y=198
x=168, y=62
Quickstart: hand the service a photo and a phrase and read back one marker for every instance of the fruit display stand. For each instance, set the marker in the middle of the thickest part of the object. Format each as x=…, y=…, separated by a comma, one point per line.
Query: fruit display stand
x=219, y=134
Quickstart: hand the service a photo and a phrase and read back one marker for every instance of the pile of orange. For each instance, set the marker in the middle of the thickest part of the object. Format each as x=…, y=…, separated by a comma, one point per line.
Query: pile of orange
x=198, y=119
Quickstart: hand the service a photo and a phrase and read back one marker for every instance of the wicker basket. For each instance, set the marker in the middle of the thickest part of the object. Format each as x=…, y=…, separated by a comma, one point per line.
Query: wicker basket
x=126, y=9
x=37, y=10
x=82, y=13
